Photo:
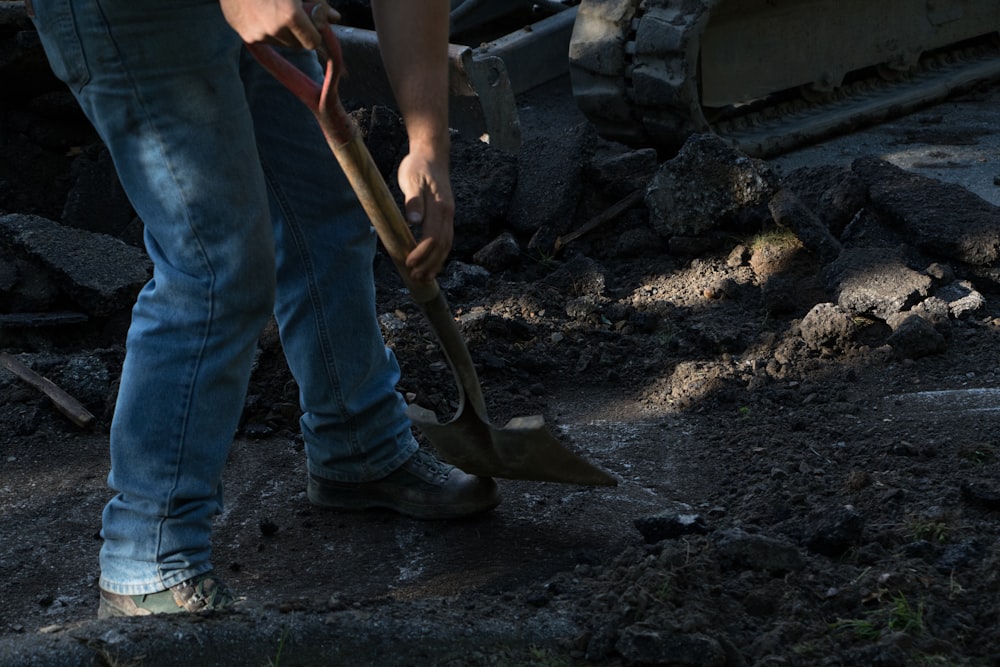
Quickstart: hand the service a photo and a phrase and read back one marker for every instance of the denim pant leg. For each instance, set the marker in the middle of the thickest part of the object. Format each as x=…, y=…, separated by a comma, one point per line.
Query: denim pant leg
x=160, y=81
x=354, y=423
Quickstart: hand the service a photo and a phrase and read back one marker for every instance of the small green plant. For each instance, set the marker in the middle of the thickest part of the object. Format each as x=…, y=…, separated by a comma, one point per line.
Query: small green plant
x=930, y=530
x=665, y=337
x=979, y=454
x=954, y=588
x=743, y=411
x=276, y=662
x=905, y=618
x=900, y=616
x=662, y=593
x=806, y=649
x=862, y=627
x=776, y=237
x=548, y=260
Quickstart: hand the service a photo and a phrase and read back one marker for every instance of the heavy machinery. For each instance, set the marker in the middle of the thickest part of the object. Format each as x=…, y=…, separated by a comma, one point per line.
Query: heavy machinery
x=768, y=75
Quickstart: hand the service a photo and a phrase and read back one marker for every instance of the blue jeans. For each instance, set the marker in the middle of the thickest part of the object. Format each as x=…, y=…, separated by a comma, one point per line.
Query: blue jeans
x=246, y=214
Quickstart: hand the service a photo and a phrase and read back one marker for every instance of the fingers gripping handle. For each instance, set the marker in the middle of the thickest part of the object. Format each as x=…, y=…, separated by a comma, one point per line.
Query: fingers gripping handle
x=352, y=154
x=377, y=200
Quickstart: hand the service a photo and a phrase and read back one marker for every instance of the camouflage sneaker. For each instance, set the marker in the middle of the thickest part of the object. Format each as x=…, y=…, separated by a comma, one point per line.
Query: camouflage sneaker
x=206, y=592
x=422, y=488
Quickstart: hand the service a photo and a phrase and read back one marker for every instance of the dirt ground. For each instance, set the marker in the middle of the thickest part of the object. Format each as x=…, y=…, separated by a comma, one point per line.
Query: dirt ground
x=782, y=499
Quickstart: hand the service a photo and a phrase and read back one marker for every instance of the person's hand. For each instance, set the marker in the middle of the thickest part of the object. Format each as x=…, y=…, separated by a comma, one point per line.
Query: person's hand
x=277, y=22
x=429, y=203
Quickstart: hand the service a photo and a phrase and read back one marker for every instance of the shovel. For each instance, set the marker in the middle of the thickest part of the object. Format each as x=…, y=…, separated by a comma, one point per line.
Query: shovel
x=523, y=449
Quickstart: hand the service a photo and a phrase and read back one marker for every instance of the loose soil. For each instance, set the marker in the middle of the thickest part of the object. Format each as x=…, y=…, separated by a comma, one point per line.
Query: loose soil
x=777, y=503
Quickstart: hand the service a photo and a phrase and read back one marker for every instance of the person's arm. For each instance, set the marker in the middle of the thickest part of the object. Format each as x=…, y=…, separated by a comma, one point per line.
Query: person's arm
x=413, y=39
x=277, y=22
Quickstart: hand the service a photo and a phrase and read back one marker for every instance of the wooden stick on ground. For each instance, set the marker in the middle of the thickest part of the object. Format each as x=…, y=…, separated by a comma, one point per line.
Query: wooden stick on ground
x=611, y=213
x=65, y=403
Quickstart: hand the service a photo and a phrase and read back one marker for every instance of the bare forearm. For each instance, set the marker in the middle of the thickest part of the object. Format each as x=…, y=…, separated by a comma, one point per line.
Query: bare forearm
x=413, y=38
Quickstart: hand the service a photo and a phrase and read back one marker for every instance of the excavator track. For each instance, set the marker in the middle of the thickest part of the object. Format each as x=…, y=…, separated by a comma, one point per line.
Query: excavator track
x=772, y=75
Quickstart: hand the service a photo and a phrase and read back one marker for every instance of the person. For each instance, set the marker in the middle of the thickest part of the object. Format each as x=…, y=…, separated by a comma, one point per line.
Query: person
x=247, y=215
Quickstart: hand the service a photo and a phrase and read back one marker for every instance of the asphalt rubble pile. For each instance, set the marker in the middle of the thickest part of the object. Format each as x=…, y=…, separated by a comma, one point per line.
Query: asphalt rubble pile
x=904, y=258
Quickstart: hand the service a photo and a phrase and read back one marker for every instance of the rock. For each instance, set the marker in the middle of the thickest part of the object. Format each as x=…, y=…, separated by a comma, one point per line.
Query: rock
x=773, y=254
x=654, y=646
x=619, y=174
x=834, y=194
x=91, y=378
x=959, y=556
x=933, y=308
x=738, y=256
x=841, y=531
x=936, y=311
x=867, y=229
x=670, y=524
x=637, y=242
x=584, y=309
x=942, y=273
x=548, y=181
x=827, y=328
x=96, y=201
x=983, y=494
x=25, y=286
x=99, y=272
x=483, y=179
x=914, y=337
x=938, y=218
x=459, y=277
x=789, y=212
x=757, y=552
x=962, y=298
x=727, y=182
x=503, y=252
x=875, y=281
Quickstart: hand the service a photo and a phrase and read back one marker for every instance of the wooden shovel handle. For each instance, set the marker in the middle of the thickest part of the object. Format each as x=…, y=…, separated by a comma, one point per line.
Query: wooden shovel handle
x=375, y=197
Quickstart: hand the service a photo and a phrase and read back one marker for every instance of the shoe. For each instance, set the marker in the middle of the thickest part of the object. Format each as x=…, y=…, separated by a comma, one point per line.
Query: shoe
x=206, y=592
x=422, y=488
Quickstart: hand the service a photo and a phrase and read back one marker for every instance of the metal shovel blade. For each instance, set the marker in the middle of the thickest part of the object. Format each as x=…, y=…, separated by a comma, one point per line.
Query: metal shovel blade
x=523, y=449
